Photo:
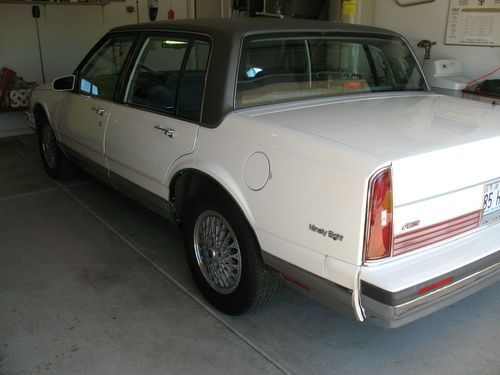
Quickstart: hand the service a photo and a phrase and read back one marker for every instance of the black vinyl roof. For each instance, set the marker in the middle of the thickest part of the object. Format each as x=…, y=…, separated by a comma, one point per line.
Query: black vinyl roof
x=240, y=26
x=226, y=35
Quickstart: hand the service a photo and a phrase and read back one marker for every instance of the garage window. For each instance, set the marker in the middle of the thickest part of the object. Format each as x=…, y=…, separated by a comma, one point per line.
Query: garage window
x=278, y=69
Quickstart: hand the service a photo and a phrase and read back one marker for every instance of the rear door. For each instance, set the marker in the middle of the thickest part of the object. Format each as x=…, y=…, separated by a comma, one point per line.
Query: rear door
x=159, y=116
x=83, y=114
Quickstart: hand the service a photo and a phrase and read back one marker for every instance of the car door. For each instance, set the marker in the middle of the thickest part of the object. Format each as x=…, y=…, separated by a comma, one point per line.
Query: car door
x=159, y=116
x=83, y=114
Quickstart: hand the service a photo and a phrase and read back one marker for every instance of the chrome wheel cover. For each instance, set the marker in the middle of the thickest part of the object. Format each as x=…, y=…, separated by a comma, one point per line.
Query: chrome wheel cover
x=49, y=147
x=217, y=252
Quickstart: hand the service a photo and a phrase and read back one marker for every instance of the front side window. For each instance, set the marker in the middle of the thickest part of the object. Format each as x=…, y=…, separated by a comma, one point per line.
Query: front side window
x=99, y=76
x=280, y=69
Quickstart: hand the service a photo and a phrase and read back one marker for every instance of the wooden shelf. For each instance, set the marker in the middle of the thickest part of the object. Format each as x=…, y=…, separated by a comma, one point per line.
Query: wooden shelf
x=38, y=2
x=102, y=4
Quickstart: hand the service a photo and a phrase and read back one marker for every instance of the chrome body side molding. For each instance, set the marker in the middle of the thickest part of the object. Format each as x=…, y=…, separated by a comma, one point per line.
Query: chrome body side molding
x=322, y=290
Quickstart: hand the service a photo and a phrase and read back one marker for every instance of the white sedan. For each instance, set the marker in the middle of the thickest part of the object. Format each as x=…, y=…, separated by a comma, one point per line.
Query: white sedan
x=303, y=151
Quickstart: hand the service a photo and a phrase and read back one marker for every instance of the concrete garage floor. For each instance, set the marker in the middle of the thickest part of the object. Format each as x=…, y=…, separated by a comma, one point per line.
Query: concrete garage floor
x=91, y=283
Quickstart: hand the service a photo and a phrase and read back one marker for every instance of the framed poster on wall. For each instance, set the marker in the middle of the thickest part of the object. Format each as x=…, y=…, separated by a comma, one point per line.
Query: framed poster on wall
x=473, y=23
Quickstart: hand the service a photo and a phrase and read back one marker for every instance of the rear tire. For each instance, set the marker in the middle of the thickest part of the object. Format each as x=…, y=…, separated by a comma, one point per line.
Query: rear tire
x=224, y=256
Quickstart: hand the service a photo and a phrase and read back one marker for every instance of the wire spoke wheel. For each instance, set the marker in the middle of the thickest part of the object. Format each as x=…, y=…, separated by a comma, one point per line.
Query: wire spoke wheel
x=224, y=255
x=49, y=147
x=217, y=252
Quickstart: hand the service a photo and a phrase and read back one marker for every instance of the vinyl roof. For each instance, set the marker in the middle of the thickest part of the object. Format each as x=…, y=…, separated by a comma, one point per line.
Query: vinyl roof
x=227, y=35
x=246, y=25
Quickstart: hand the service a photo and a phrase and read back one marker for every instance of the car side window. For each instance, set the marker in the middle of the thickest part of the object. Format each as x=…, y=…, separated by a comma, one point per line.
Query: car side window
x=99, y=76
x=192, y=83
x=154, y=80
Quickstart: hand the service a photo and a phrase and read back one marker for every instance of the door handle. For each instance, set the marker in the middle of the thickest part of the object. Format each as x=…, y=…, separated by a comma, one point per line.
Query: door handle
x=98, y=110
x=169, y=132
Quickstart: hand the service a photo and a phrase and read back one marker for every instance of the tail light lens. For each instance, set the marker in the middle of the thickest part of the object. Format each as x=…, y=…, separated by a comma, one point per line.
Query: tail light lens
x=378, y=240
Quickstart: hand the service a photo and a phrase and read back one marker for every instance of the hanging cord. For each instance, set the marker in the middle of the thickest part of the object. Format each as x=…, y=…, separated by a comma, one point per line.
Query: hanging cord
x=482, y=77
x=40, y=50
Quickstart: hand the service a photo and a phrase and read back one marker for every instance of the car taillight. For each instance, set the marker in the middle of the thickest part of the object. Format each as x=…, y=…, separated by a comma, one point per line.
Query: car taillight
x=378, y=240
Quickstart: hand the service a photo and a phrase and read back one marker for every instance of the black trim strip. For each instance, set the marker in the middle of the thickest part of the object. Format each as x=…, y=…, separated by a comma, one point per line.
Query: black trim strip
x=181, y=76
x=88, y=165
x=406, y=295
x=144, y=197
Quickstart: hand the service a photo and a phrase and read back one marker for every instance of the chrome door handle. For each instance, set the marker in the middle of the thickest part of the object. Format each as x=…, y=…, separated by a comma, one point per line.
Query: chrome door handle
x=98, y=110
x=169, y=132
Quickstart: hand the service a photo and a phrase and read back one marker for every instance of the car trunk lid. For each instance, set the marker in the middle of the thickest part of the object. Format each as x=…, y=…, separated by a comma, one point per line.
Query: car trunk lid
x=443, y=151
x=435, y=143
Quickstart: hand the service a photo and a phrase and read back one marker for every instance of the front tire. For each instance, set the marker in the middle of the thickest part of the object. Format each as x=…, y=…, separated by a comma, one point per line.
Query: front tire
x=224, y=256
x=54, y=161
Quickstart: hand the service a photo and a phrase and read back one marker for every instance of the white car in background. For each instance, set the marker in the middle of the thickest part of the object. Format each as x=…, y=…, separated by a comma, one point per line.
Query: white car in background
x=301, y=149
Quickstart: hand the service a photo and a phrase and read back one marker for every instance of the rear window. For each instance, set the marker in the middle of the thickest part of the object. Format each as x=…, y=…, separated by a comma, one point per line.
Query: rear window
x=276, y=69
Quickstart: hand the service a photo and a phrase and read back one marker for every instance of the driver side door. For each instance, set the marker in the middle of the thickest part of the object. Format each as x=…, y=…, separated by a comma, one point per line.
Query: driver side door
x=83, y=114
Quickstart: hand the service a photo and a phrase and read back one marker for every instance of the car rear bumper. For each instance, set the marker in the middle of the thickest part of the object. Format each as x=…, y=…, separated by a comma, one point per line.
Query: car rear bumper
x=397, y=291
x=394, y=309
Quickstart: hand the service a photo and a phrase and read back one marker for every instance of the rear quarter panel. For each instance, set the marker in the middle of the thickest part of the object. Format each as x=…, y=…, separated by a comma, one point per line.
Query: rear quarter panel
x=312, y=181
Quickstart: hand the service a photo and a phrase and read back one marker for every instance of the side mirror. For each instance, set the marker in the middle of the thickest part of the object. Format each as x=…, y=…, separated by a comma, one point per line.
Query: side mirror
x=66, y=83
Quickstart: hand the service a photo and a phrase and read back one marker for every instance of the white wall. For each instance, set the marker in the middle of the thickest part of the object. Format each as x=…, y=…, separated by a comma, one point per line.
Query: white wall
x=208, y=8
x=67, y=32
x=428, y=21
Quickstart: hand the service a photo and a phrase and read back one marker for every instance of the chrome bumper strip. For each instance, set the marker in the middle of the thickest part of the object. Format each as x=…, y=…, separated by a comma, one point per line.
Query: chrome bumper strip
x=395, y=316
x=409, y=294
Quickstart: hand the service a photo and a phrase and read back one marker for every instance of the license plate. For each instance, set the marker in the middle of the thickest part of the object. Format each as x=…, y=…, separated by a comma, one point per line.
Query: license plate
x=491, y=203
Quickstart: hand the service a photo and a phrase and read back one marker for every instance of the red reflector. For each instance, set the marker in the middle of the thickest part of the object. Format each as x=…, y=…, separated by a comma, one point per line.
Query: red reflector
x=435, y=285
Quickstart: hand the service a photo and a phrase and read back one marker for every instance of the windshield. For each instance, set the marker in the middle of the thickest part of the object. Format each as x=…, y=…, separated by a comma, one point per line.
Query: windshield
x=282, y=68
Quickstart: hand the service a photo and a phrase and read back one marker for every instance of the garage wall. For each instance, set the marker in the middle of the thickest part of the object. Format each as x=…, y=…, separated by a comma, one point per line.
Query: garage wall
x=428, y=21
x=67, y=32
